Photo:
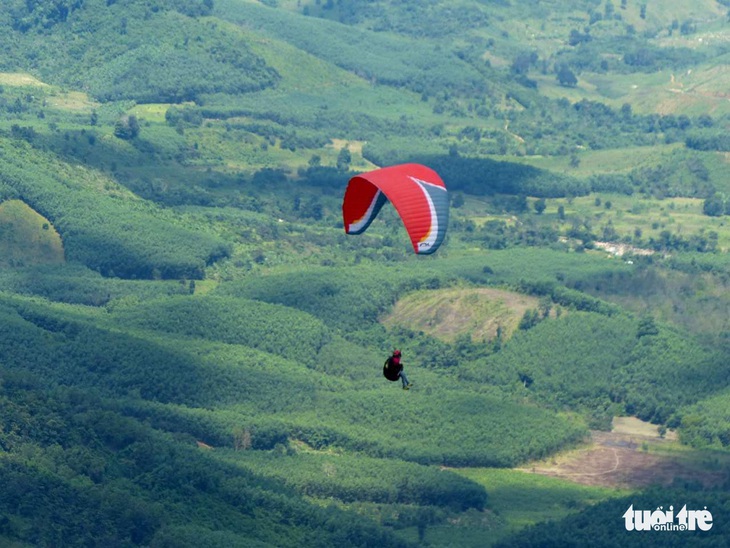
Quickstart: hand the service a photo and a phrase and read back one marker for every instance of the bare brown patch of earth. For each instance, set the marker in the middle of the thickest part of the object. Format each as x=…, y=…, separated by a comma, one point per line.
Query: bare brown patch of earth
x=632, y=455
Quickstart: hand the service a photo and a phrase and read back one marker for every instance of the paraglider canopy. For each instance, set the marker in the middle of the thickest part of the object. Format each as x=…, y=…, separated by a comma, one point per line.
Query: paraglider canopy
x=417, y=193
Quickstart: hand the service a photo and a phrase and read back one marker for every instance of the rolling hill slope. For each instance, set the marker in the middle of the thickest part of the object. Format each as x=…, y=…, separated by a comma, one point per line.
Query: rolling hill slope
x=194, y=358
x=27, y=237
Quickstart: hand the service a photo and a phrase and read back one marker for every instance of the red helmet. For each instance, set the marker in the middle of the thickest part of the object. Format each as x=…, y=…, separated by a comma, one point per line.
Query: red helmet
x=396, y=352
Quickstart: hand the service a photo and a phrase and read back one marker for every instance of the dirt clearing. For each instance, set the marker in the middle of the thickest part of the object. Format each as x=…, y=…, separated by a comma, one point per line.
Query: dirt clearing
x=448, y=313
x=634, y=455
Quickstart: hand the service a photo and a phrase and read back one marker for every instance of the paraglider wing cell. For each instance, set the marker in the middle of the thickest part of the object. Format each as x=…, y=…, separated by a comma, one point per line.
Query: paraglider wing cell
x=361, y=205
x=417, y=193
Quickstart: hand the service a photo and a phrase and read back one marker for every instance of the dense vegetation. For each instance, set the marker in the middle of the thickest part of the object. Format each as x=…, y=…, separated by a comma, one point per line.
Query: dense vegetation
x=99, y=476
x=120, y=238
x=633, y=367
x=118, y=47
x=597, y=525
x=198, y=362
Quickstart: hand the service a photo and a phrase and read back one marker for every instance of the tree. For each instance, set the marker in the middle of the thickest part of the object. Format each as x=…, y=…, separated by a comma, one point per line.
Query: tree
x=577, y=37
x=529, y=319
x=127, y=127
x=523, y=61
x=525, y=379
x=609, y=232
x=519, y=204
x=540, y=206
x=687, y=27
x=608, y=10
x=545, y=306
x=714, y=206
x=705, y=120
x=242, y=439
x=566, y=77
x=344, y=158
x=647, y=327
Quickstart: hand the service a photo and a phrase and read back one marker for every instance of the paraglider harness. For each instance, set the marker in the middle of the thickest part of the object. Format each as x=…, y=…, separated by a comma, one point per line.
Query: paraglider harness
x=392, y=367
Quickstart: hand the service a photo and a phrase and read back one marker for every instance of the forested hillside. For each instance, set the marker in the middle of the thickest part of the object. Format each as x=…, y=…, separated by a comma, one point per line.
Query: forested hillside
x=191, y=346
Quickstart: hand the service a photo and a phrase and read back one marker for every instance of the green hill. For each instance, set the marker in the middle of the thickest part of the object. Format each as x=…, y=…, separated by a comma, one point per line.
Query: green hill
x=105, y=228
x=117, y=47
x=191, y=346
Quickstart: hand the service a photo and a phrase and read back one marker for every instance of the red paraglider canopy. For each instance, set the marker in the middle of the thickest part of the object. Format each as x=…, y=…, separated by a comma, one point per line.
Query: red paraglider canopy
x=417, y=193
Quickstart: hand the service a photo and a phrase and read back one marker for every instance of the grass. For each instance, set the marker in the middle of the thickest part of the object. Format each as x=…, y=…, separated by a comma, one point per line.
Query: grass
x=26, y=237
x=54, y=98
x=626, y=214
x=632, y=426
x=19, y=79
x=288, y=61
x=651, y=216
x=516, y=500
x=151, y=112
x=74, y=101
x=599, y=162
x=448, y=313
x=699, y=91
x=702, y=90
x=524, y=499
x=621, y=160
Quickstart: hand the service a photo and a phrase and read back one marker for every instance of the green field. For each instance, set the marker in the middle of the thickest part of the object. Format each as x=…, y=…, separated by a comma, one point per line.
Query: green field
x=27, y=238
x=519, y=499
